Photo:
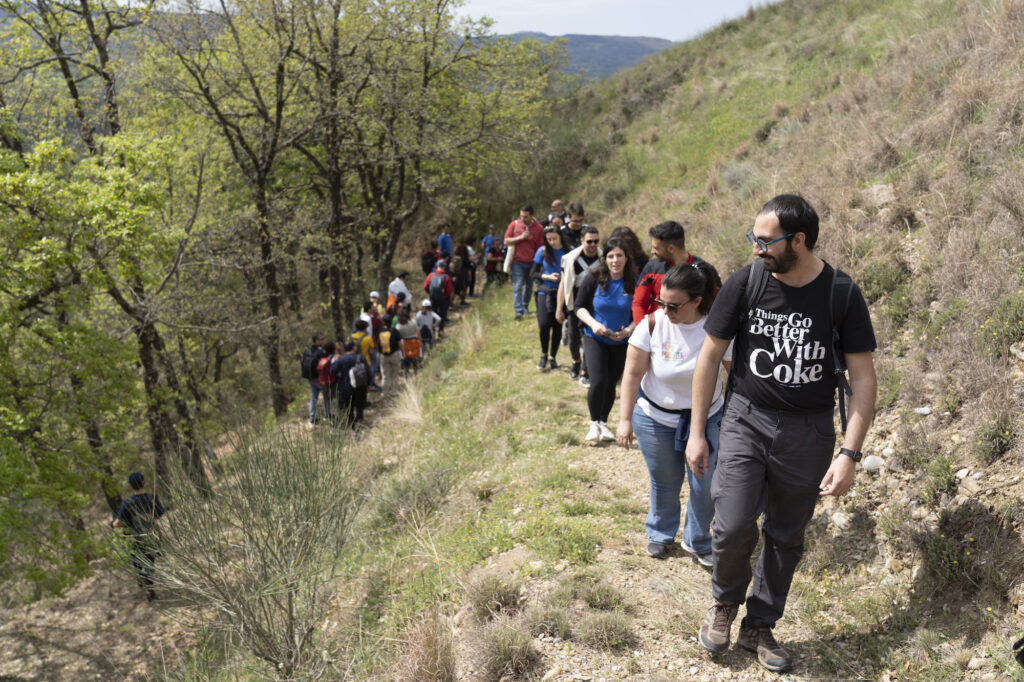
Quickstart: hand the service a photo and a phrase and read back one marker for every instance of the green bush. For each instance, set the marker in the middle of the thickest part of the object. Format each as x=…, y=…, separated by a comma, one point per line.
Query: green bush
x=995, y=438
x=940, y=479
x=1005, y=326
x=611, y=631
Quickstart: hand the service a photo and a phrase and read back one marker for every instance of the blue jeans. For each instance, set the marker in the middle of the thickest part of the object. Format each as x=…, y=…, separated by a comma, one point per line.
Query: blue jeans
x=522, y=287
x=374, y=367
x=666, y=466
x=314, y=393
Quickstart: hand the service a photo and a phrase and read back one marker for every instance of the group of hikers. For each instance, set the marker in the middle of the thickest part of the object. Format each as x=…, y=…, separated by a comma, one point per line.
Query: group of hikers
x=761, y=445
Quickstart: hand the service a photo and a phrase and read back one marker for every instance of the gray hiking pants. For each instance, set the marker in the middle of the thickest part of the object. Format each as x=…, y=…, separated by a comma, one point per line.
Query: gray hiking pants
x=769, y=462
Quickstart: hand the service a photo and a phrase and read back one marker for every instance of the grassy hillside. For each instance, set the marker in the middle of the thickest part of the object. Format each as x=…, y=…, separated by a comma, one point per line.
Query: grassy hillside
x=901, y=122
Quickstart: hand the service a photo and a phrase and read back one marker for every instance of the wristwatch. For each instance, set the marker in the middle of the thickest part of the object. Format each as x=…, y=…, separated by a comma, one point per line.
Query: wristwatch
x=855, y=455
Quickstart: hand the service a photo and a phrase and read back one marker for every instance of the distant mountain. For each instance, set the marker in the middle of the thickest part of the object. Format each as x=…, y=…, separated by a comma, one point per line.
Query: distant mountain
x=601, y=56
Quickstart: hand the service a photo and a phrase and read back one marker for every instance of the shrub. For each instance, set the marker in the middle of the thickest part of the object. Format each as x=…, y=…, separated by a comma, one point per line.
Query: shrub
x=263, y=552
x=429, y=652
x=995, y=437
x=1005, y=326
x=492, y=595
x=611, y=631
x=505, y=651
x=601, y=595
x=941, y=479
x=549, y=619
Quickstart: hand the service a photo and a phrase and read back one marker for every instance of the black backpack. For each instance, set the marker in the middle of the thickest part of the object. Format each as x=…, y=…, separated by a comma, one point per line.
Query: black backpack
x=310, y=357
x=757, y=281
x=359, y=375
x=427, y=262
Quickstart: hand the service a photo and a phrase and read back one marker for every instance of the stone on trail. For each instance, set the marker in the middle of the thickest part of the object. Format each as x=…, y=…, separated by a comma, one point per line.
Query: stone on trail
x=872, y=463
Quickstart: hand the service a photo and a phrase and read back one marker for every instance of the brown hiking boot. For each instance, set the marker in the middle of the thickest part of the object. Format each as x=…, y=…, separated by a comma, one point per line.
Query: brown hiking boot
x=714, y=631
x=760, y=640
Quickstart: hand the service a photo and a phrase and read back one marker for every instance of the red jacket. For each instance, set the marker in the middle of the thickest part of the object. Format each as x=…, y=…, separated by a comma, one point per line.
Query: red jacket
x=449, y=288
x=648, y=286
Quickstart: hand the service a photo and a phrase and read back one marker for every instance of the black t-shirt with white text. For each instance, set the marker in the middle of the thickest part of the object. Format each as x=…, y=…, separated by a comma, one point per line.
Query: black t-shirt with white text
x=782, y=359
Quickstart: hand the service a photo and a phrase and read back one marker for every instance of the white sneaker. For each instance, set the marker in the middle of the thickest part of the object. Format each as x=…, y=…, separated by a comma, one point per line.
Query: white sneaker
x=606, y=433
x=705, y=560
x=594, y=434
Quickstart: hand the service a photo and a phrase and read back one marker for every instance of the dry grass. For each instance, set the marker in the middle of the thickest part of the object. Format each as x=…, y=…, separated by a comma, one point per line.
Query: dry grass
x=428, y=651
x=505, y=651
x=492, y=596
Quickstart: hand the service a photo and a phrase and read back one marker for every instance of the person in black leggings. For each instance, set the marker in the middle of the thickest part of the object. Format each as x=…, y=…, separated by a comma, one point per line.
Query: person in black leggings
x=604, y=305
x=547, y=273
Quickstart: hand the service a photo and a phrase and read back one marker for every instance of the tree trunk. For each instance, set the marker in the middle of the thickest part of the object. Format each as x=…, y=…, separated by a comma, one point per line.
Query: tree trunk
x=272, y=339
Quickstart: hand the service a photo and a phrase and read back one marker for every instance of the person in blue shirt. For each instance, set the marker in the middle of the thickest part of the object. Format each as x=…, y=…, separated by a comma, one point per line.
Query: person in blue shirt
x=604, y=305
x=489, y=240
x=444, y=241
x=547, y=273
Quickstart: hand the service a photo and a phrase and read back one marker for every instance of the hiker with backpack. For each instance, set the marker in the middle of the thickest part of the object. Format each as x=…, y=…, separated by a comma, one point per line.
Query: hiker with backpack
x=797, y=323
x=326, y=379
x=668, y=244
x=400, y=285
x=412, y=344
x=430, y=258
x=138, y=515
x=428, y=323
x=575, y=264
x=389, y=344
x=439, y=288
x=603, y=305
x=310, y=357
x=655, y=406
x=366, y=346
x=351, y=374
x=547, y=273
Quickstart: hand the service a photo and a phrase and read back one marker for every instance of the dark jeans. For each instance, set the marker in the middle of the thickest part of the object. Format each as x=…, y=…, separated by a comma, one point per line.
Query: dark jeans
x=769, y=462
x=575, y=336
x=550, y=330
x=605, y=363
x=143, y=556
x=352, y=403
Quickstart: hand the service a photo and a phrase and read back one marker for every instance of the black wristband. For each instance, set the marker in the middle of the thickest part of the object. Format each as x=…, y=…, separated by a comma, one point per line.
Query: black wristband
x=855, y=455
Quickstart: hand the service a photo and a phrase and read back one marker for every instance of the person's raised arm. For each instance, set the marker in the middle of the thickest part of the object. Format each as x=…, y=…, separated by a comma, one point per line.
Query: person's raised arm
x=839, y=477
x=705, y=376
x=637, y=363
x=560, y=298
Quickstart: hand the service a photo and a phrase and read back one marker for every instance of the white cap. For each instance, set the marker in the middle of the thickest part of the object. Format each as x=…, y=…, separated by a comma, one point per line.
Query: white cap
x=374, y=294
x=426, y=303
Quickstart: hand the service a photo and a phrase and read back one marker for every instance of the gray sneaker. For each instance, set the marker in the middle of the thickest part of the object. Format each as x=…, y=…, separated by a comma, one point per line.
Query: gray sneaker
x=760, y=640
x=714, y=631
x=657, y=550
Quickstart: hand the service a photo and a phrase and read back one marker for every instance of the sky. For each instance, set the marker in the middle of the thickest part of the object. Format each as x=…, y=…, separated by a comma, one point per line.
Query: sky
x=671, y=19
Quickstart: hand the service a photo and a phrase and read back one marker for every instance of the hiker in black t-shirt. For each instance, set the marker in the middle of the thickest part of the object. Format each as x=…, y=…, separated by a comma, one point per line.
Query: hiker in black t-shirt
x=138, y=515
x=777, y=442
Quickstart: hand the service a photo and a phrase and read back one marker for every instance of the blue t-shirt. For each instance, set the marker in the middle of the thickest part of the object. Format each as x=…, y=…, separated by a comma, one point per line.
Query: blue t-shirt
x=488, y=241
x=444, y=243
x=611, y=307
x=546, y=267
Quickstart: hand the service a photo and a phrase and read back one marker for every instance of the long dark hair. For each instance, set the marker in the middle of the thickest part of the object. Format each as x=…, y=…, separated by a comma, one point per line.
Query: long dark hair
x=698, y=279
x=549, y=253
x=633, y=248
x=603, y=275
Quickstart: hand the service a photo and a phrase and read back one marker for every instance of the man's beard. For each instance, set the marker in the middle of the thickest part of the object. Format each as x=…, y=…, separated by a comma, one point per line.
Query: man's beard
x=781, y=264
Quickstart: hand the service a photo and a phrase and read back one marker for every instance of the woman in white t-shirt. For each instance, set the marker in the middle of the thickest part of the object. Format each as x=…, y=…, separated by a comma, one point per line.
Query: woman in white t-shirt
x=655, y=405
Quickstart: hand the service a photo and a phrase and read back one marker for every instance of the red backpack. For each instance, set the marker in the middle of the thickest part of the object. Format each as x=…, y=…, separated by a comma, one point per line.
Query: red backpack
x=323, y=371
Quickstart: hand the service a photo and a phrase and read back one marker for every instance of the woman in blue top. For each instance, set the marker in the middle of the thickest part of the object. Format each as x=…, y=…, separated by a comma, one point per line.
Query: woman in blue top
x=546, y=273
x=603, y=304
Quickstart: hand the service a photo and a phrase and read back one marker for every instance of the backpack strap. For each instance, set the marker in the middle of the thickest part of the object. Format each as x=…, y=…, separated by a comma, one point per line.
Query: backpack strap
x=757, y=282
x=838, y=305
x=650, y=324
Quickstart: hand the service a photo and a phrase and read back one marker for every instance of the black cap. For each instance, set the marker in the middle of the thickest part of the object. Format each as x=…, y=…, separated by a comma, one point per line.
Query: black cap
x=136, y=480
